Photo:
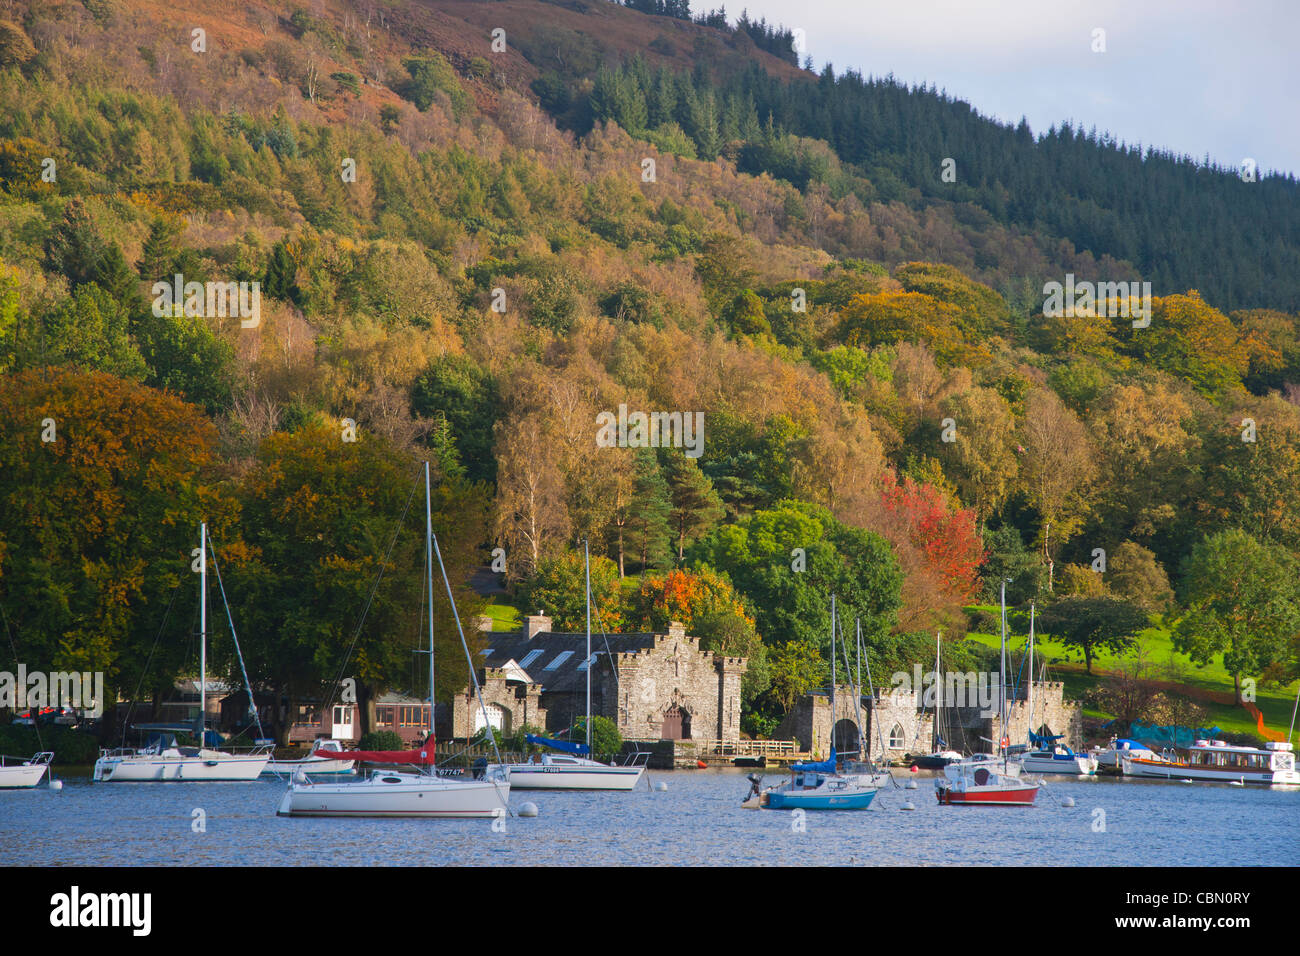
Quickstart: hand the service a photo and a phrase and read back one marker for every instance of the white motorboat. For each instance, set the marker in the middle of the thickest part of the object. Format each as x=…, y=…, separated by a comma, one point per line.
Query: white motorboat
x=318, y=761
x=163, y=760
x=392, y=793
x=1219, y=761
x=1059, y=759
x=23, y=773
x=574, y=769
x=572, y=772
x=1109, y=758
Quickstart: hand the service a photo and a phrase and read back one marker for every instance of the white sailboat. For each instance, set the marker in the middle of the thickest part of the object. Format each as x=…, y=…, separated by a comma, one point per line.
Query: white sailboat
x=22, y=773
x=164, y=761
x=1048, y=756
x=573, y=768
x=937, y=758
x=391, y=793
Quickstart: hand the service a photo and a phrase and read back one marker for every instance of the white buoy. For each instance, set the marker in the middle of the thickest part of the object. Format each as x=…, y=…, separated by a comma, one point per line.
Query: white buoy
x=56, y=784
x=910, y=785
x=528, y=810
x=1068, y=802
x=661, y=786
x=909, y=805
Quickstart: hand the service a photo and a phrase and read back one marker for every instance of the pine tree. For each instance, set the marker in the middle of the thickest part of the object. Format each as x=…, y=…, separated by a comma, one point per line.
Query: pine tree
x=648, y=521
x=695, y=505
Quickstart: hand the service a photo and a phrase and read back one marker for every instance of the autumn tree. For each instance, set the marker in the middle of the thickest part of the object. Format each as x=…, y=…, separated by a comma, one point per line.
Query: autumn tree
x=103, y=484
x=981, y=456
x=1057, y=465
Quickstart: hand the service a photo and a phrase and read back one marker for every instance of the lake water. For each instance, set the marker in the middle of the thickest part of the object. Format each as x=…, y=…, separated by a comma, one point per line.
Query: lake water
x=697, y=821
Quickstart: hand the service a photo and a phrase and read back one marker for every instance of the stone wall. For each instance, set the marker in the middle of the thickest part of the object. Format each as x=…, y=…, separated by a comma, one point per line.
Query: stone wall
x=1051, y=712
x=891, y=724
x=520, y=704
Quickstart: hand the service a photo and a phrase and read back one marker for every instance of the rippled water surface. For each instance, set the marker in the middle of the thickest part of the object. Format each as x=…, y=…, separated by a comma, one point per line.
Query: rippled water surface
x=697, y=821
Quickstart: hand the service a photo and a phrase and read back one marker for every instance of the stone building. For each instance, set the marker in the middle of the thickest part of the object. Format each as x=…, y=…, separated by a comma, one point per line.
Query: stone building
x=895, y=726
x=892, y=725
x=653, y=686
x=1053, y=715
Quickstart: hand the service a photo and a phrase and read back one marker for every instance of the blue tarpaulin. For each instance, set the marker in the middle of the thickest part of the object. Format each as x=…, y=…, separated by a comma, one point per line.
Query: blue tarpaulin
x=825, y=766
x=563, y=745
x=1160, y=735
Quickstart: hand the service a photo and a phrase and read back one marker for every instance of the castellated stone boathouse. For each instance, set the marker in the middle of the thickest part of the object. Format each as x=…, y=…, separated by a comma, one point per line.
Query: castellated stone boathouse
x=653, y=686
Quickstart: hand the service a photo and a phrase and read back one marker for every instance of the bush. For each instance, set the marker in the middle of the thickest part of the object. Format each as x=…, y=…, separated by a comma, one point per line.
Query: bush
x=70, y=746
x=381, y=740
x=605, y=738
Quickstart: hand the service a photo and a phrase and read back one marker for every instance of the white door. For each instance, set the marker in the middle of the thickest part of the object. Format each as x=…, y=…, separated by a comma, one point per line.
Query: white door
x=343, y=716
x=496, y=715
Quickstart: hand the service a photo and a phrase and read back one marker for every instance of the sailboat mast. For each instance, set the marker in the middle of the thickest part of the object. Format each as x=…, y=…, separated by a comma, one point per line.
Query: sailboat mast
x=832, y=672
x=857, y=642
x=938, y=694
x=1031, y=667
x=1002, y=671
x=203, y=633
x=428, y=566
x=586, y=559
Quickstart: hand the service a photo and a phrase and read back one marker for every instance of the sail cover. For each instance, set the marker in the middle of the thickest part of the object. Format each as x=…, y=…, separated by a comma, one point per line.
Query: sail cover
x=826, y=766
x=563, y=745
x=421, y=756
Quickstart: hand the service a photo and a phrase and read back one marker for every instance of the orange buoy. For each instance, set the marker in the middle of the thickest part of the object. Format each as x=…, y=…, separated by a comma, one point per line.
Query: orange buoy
x=702, y=765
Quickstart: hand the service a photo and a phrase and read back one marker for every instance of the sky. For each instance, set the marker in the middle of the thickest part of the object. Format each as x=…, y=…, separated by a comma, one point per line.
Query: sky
x=1194, y=76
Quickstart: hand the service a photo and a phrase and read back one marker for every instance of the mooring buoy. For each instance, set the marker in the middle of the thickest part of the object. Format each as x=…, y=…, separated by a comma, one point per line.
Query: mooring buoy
x=528, y=810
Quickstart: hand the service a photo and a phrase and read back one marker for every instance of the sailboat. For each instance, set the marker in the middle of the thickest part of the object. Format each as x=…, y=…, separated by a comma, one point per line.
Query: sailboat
x=163, y=760
x=1048, y=756
x=572, y=767
x=937, y=758
x=392, y=793
x=988, y=779
x=21, y=773
x=323, y=759
x=820, y=785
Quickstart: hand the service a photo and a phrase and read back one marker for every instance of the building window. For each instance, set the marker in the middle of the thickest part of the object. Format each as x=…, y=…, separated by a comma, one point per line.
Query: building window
x=531, y=656
x=560, y=659
x=588, y=662
x=340, y=716
x=383, y=715
x=896, y=741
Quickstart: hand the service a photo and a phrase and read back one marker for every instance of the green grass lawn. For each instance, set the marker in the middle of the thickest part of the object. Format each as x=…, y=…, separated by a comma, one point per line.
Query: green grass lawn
x=504, y=617
x=1167, y=664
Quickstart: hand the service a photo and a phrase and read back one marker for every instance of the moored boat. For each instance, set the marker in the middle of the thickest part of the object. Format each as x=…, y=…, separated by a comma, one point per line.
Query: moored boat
x=319, y=761
x=1221, y=762
x=984, y=780
x=163, y=760
x=23, y=773
x=574, y=769
x=394, y=793
x=1109, y=758
x=1059, y=759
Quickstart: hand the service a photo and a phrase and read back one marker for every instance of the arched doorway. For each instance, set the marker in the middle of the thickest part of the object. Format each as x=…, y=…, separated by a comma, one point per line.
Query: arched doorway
x=845, y=736
x=677, y=724
x=497, y=716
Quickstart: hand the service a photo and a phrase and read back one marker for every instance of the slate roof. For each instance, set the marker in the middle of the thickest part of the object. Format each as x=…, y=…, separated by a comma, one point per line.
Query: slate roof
x=565, y=677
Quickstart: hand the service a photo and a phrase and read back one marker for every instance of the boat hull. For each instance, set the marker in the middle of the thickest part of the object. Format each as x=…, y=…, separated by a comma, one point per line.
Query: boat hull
x=792, y=800
x=993, y=797
x=22, y=777
x=540, y=777
x=1078, y=765
x=415, y=797
x=161, y=768
x=307, y=765
x=1163, y=770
